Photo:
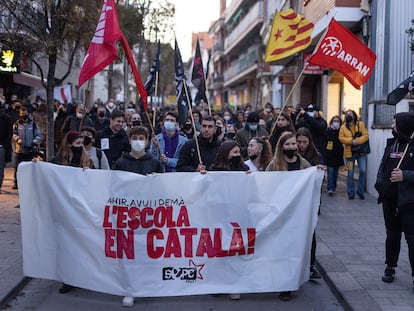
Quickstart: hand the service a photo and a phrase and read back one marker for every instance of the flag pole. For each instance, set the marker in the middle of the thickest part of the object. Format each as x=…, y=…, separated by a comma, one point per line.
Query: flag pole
x=192, y=119
x=296, y=84
x=405, y=151
x=156, y=94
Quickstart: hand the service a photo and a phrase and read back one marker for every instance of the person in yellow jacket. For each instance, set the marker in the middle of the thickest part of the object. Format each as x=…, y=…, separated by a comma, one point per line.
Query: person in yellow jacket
x=348, y=133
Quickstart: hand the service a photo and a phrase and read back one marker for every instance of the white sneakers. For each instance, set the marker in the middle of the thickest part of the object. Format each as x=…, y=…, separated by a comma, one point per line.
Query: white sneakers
x=128, y=301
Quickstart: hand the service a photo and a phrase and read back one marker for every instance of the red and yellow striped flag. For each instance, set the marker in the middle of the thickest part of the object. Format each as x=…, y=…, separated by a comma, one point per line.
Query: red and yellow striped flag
x=290, y=34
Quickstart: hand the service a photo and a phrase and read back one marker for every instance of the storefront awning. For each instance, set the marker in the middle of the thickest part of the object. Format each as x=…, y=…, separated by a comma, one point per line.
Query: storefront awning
x=27, y=80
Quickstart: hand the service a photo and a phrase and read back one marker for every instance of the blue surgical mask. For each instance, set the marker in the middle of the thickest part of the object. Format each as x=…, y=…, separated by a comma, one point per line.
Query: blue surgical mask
x=253, y=127
x=169, y=126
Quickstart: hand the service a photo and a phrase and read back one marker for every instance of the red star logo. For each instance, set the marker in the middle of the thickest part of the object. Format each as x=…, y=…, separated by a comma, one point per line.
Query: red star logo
x=278, y=34
x=198, y=267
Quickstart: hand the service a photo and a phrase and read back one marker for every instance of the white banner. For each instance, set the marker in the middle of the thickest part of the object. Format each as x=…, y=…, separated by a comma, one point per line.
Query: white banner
x=168, y=234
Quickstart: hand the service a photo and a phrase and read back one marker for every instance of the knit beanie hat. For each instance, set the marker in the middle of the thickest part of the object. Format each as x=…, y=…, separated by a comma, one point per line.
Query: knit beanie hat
x=72, y=136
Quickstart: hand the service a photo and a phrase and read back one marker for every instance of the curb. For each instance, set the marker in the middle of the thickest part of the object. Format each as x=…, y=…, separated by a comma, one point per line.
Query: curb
x=13, y=292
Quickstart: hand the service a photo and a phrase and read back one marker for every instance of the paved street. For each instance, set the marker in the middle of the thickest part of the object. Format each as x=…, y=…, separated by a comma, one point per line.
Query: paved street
x=350, y=253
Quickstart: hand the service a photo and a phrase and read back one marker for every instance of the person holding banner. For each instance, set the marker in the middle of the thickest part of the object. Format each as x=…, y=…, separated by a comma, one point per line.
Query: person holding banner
x=259, y=151
x=309, y=152
x=287, y=158
x=229, y=158
x=395, y=186
x=208, y=145
x=137, y=161
x=72, y=152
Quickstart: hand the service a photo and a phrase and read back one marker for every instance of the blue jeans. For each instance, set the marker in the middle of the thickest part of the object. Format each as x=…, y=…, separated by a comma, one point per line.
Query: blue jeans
x=362, y=168
x=332, y=177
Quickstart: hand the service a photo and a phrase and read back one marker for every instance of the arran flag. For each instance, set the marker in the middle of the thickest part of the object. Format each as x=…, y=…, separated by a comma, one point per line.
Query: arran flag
x=102, y=49
x=181, y=87
x=198, y=77
x=290, y=34
x=399, y=93
x=341, y=50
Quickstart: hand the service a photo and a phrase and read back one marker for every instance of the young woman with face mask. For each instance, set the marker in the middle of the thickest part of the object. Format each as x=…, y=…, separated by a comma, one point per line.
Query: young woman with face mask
x=347, y=136
x=259, y=152
x=72, y=152
x=334, y=153
x=229, y=158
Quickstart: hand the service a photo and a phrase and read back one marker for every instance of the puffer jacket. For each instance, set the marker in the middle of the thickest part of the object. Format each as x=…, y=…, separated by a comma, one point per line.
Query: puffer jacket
x=346, y=136
x=29, y=133
x=147, y=164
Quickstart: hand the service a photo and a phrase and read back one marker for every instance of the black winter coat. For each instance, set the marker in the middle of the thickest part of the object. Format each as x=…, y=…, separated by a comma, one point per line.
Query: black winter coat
x=118, y=143
x=317, y=127
x=147, y=164
x=334, y=150
x=188, y=160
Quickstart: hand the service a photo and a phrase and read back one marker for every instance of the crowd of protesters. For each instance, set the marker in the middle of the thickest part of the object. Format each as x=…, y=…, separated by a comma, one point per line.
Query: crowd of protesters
x=110, y=136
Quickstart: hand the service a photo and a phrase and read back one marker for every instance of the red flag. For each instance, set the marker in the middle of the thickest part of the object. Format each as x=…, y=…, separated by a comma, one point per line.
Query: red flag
x=102, y=49
x=138, y=81
x=341, y=50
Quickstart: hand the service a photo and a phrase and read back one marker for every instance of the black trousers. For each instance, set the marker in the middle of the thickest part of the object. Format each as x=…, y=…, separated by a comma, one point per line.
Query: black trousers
x=21, y=157
x=395, y=225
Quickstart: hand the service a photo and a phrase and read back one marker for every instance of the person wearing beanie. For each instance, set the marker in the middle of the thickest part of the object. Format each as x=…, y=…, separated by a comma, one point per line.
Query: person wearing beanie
x=395, y=186
x=250, y=130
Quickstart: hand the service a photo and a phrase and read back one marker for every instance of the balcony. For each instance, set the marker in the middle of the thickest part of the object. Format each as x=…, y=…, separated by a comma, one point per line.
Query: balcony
x=215, y=83
x=242, y=66
x=252, y=21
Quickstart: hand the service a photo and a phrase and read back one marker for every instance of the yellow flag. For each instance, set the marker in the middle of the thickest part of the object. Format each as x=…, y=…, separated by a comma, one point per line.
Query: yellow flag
x=290, y=34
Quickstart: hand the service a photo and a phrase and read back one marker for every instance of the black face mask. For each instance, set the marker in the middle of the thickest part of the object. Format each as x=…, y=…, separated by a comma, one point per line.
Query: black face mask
x=230, y=135
x=101, y=114
x=87, y=140
x=77, y=150
x=281, y=128
x=187, y=126
x=290, y=153
x=17, y=108
x=218, y=131
x=235, y=161
x=25, y=117
x=136, y=123
x=349, y=119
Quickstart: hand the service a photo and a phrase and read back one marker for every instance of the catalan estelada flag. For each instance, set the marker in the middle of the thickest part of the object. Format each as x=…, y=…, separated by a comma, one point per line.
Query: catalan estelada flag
x=290, y=34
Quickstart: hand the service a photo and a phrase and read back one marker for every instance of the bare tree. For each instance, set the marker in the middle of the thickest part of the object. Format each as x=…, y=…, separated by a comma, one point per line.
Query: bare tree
x=48, y=28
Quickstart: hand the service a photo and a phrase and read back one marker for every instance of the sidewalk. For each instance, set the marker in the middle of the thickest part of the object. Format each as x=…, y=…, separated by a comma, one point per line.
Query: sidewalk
x=350, y=252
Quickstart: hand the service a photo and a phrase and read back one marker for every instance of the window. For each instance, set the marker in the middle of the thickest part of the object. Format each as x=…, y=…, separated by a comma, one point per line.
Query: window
x=383, y=115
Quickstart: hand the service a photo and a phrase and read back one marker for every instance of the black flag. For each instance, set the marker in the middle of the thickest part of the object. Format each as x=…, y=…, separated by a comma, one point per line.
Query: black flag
x=198, y=77
x=399, y=93
x=150, y=83
x=180, y=85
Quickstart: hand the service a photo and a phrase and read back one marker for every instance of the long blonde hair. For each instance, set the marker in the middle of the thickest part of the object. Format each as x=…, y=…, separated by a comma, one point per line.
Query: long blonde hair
x=279, y=163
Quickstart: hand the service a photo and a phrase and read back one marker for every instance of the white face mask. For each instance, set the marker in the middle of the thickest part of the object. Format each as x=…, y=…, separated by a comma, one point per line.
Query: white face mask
x=138, y=145
x=111, y=105
x=336, y=125
x=79, y=115
x=169, y=126
x=311, y=114
x=226, y=117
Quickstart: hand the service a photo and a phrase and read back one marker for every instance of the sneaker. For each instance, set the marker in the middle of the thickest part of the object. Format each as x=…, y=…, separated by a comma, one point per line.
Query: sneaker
x=330, y=193
x=285, y=296
x=234, y=296
x=314, y=274
x=351, y=197
x=361, y=196
x=65, y=288
x=128, y=301
x=389, y=275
